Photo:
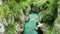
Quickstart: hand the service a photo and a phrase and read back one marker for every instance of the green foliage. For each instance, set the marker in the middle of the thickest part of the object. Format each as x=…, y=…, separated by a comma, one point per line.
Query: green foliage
x=10, y=28
x=6, y=11
x=49, y=32
x=50, y=13
x=57, y=21
x=1, y=9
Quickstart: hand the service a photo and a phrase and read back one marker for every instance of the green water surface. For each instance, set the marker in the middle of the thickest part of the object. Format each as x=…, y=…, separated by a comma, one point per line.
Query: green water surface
x=30, y=26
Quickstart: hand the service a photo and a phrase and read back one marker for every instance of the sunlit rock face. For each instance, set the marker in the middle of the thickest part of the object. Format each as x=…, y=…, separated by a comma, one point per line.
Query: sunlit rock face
x=10, y=18
x=40, y=16
x=27, y=18
x=56, y=29
x=22, y=17
x=0, y=17
x=2, y=30
x=0, y=2
x=3, y=23
x=42, y=27
x=27, y=11
x=19, y=29
x=3, y=20
x=59, y=11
